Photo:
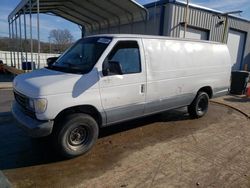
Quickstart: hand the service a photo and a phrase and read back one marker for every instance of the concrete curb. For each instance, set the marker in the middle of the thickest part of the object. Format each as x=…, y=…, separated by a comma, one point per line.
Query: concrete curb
x=4, y=182
x=5, y=114
x=6, y=88
x=232, y=107
x=6, y=85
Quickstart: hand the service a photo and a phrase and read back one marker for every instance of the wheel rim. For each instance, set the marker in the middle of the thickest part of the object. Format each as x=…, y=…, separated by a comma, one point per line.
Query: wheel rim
x=202, y=105
x=78, y=136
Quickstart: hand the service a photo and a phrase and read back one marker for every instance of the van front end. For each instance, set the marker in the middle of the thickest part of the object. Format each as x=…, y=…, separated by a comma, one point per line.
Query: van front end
x=24, y=110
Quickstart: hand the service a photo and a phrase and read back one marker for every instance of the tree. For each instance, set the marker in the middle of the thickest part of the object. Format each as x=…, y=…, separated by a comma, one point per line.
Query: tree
x=61, y=38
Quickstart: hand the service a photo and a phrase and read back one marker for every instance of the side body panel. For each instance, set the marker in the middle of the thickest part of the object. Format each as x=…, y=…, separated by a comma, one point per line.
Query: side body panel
x=177, y=69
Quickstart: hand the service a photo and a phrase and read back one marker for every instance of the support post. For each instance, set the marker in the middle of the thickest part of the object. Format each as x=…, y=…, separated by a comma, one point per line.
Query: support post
x=6, y=59
x=25, y=37
x=162, y=21
x=21, y=38
x=31, y=39
x=10, y=44
x=13, y=40
x=83, y=31
x=18, y=59
x=38, y=32
x=225, y=30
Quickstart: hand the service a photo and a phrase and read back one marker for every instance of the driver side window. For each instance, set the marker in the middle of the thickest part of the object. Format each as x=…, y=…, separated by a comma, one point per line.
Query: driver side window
x=127, y=53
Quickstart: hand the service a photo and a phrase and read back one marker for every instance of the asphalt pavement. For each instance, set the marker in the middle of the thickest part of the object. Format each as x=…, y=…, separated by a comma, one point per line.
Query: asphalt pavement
x=6, y=80
x=164, y=150
x=6, y=98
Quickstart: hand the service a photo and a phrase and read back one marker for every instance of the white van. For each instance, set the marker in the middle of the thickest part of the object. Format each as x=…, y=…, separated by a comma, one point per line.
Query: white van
x=107, y=79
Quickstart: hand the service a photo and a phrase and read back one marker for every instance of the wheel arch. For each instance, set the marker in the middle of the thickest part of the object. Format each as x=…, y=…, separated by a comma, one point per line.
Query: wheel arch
x=208, y=90
x=86, y=109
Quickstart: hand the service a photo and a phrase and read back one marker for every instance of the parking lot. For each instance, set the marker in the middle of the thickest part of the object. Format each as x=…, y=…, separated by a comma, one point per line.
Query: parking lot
x=164, y=150
x=77, y=66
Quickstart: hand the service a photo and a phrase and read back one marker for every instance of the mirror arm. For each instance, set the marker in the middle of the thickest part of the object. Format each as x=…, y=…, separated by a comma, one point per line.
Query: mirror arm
x=105, y=72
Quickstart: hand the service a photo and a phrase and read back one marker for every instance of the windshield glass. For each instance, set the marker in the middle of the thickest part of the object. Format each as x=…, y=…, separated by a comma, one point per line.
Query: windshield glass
x=82, y=57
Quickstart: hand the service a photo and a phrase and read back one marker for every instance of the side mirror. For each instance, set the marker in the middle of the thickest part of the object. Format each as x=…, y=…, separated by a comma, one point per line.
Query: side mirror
x=51, y=60
x=111, y=68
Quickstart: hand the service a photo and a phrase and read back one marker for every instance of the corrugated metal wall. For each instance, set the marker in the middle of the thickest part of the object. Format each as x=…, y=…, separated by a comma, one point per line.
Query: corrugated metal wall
x=207, y=20
x=204, y=20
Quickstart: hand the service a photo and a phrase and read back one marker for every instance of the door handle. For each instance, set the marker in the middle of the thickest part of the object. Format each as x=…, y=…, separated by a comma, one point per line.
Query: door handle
x=142, y=88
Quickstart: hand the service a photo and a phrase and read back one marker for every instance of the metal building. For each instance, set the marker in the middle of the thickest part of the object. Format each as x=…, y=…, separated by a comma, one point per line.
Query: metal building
x=167, y=17
x=163, y=17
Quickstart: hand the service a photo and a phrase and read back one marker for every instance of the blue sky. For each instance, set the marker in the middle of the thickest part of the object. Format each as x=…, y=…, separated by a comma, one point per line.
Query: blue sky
x=52, y=22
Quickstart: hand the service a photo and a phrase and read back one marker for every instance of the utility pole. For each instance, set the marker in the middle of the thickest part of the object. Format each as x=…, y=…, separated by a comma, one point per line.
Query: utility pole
x=186, y=19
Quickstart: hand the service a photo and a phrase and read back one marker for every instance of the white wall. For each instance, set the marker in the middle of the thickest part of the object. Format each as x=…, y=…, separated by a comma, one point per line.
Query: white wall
x=236, y=41
x=194, y=33
x=5, y=56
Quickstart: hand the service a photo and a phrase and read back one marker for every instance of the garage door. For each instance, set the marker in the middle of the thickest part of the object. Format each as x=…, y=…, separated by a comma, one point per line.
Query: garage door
x=193, y=33
x=236, y=41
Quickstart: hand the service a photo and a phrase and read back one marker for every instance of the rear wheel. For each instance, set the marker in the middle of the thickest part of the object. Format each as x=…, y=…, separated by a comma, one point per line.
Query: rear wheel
x=199, y=106
x=75, y=135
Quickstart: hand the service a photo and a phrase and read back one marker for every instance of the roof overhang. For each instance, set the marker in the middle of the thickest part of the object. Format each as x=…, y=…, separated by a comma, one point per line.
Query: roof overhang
x=93, y=14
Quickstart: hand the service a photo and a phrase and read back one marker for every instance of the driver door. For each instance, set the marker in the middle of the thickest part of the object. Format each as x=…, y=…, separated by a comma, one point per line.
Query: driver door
x=123, y=96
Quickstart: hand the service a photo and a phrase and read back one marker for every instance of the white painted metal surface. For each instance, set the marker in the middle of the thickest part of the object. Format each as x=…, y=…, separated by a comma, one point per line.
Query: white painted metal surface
x=177, y=68
x=236, y=42
x=193, y=33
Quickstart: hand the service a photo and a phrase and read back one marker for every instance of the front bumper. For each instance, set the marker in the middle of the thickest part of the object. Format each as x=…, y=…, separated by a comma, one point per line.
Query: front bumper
x=31, y=126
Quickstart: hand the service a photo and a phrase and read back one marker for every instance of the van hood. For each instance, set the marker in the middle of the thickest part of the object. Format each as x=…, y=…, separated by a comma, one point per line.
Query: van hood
x=45, y=82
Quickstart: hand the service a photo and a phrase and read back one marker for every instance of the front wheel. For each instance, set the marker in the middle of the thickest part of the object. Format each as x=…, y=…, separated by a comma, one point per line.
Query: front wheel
x=199, y=106
x=75, y=135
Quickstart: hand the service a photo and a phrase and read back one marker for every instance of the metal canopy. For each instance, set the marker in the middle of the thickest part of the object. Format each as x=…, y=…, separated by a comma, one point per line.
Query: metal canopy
x=93, y=14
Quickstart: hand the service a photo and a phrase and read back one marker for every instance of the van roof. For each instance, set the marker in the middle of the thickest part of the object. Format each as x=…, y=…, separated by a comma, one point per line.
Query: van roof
x=152, y=37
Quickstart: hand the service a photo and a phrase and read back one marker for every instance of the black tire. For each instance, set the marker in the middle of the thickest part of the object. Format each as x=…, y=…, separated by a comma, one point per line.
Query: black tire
x=75, y=135
x=199, y=106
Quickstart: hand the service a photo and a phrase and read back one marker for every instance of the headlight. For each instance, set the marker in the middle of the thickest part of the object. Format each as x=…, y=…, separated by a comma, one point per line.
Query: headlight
x=38, y=105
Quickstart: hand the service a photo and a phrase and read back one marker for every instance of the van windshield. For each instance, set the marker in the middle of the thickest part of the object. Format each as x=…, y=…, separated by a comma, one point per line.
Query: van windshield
x=82, y=56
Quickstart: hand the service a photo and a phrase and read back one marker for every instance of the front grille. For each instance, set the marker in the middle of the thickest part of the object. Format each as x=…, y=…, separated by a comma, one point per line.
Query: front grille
x=23, y=101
